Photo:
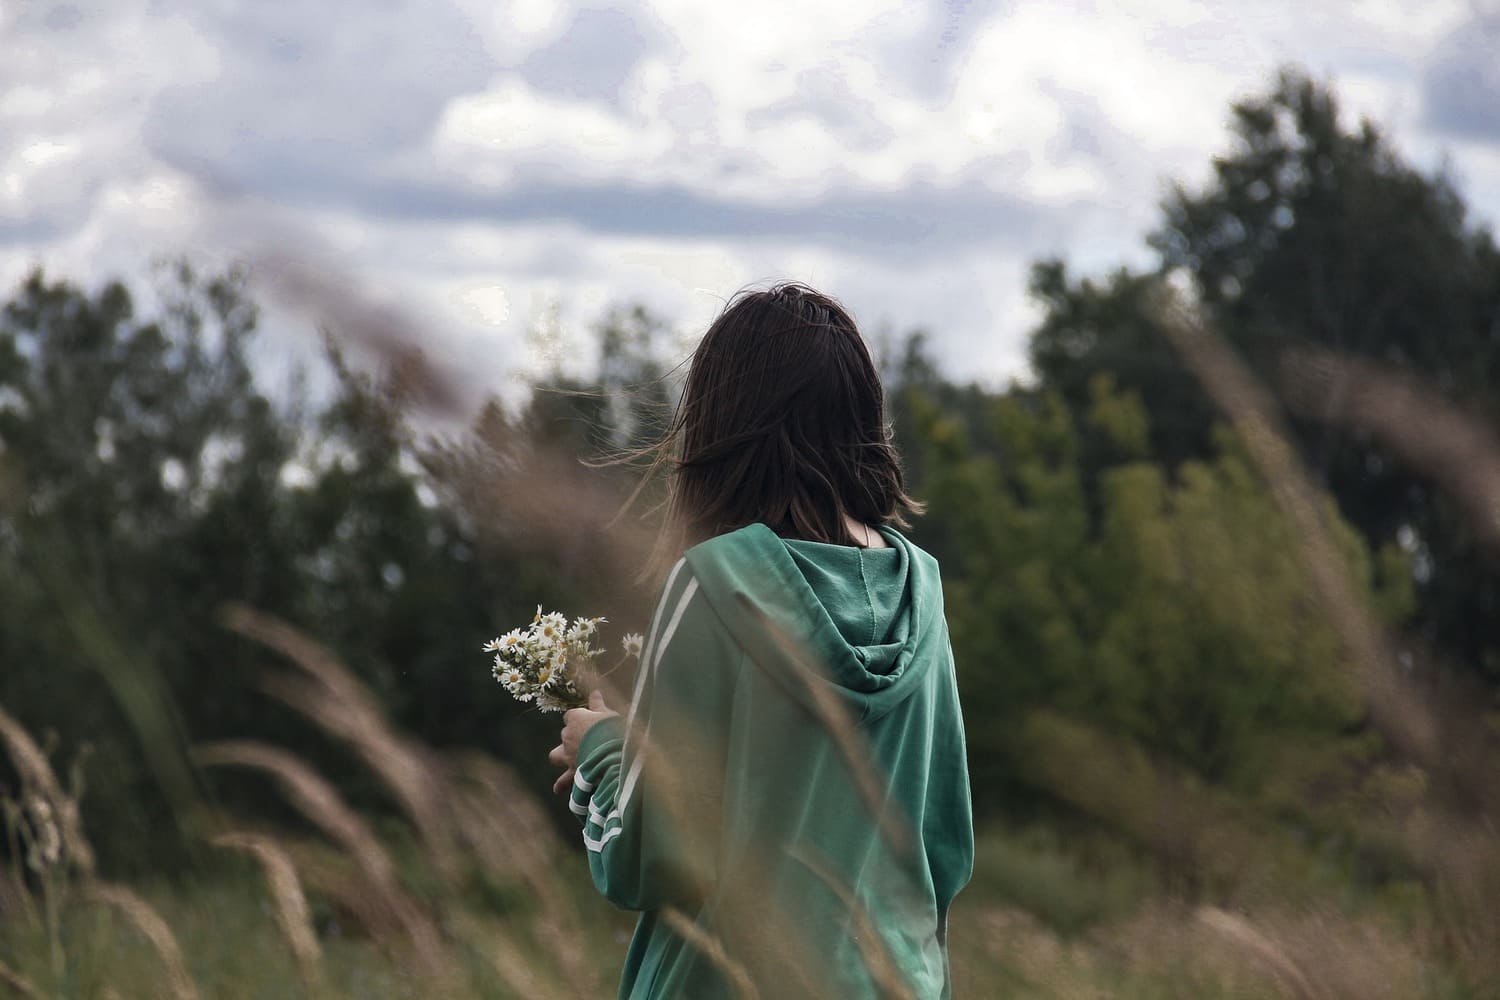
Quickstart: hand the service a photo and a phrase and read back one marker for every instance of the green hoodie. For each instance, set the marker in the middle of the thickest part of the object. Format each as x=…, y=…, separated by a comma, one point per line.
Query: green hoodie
x=787, y=798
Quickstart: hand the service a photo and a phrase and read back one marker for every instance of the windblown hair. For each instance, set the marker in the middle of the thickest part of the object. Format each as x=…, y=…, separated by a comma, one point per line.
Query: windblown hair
x=782, y=421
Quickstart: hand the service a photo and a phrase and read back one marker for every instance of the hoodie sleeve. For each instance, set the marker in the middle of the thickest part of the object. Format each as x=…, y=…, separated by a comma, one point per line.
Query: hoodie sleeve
x=648, y=787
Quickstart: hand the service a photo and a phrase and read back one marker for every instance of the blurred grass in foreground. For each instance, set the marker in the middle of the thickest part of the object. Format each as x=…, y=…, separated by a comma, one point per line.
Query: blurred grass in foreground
x=471, y=895
x=1132, y=948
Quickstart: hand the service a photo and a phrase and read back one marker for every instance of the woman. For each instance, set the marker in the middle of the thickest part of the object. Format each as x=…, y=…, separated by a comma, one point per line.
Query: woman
x=786, y=798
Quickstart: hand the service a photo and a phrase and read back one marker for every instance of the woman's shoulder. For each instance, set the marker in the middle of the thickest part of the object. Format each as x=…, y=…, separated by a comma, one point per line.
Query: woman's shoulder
x=686, y=615
x=752, y=539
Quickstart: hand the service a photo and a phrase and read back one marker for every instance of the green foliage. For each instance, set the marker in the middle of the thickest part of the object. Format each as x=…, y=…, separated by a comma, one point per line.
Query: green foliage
x=1178, y=618
x=1091, y=329
x=1313, y=232
x=1070, y=885
x=141, y=468
x=623, y=406
x=226, y=929
x=148, y=481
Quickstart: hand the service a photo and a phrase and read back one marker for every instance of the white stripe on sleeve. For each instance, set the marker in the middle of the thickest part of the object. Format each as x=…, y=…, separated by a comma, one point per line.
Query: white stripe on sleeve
x=656, y=647
x=598, y=845
x=628, y=788
x=651, y=640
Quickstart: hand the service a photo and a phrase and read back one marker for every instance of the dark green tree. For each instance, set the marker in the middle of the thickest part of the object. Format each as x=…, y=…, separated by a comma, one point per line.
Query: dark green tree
x=1178, y=618
x=1313, y=233
x=148, y=482
x=141, y=469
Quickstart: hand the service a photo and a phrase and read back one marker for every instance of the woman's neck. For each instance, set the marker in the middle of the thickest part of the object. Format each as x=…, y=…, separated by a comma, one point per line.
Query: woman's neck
x=864, y=535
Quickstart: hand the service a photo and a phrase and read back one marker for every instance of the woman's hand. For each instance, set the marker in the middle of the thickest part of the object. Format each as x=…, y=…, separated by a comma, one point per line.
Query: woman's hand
x=576, y=722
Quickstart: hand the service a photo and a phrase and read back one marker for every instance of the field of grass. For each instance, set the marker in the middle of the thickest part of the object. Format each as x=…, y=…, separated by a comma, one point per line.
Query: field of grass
x=469, y=889
x=1077, y=935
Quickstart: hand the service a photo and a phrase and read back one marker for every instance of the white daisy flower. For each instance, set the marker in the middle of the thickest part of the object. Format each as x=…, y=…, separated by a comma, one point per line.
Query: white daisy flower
x=632, y=644
x=585, y=628
x=540, y=662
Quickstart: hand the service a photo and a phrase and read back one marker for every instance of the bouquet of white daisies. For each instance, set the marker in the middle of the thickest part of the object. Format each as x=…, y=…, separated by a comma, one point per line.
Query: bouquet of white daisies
x=551, y=661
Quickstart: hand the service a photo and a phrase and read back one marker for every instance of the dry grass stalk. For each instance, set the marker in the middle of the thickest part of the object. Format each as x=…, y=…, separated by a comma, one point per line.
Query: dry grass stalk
x=481, y=805
x=16, y=982
x=331, y=877
x=573, y=513
x=711, y=948
x=292, y=914
x=515, y=963
x=341, y=705
x=516, y=967
x=36, y=772
x=155, y=930
x=1262, y=949
x=335, y=300
x=1195, y=833
x=1435, y=438
x=496, y=847
x=1394, y=707
x=1333, y=955
x=15, y=901
x=534, y=479
x=385, y=911
x=498, y=821
x=1462, y=865
x=757, y=927
x=881, y=966
x=321, y=804
x=1439, y=440
x=1427, y=432
x=508, y=834
x=1028, y=951
x=849, y=741
x=493, y=817
x=312, y=795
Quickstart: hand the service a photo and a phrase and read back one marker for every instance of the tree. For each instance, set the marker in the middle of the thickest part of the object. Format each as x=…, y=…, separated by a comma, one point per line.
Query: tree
x=142, y=470
x=1180, y=620
x=1312, y=233
x=148, y=482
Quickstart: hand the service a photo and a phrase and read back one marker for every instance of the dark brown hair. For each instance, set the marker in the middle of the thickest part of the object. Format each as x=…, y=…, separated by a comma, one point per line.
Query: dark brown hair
x=782, y=421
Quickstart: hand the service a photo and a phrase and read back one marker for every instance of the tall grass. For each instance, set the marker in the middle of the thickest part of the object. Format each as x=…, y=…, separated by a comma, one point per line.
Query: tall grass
x=417, y=927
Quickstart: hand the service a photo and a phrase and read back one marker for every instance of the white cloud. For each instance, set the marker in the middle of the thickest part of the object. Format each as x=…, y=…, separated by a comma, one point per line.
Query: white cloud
x=911, y=158
x=487, y=136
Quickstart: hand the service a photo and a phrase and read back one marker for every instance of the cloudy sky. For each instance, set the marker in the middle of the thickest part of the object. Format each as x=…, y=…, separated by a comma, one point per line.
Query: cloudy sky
x=475, y=164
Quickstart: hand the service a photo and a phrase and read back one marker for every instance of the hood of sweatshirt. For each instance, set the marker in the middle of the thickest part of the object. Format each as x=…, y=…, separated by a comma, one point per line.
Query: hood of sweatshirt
x=827, y=619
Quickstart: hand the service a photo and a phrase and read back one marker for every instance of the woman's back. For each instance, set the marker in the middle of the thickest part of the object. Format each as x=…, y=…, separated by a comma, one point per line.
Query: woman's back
x=794, y=784
x=787, y=797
